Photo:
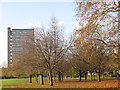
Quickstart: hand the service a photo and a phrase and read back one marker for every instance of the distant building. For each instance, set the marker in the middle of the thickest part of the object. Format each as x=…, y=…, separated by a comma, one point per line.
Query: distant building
x=16, y=39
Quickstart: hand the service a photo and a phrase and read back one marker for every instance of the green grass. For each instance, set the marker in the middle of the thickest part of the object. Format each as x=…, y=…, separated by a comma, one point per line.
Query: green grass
x=20, y=80
x=12, y=81
x=24, y=83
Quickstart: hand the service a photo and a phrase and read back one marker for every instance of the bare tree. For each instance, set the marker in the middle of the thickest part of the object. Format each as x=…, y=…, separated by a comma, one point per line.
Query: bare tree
x=77, y=61
x=51, y=45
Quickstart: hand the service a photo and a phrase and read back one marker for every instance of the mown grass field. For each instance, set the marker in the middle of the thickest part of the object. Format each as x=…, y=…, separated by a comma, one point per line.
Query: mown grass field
x=66, y=83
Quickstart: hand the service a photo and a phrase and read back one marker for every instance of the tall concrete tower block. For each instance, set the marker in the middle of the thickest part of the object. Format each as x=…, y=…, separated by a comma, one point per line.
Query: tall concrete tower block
x=16, y=39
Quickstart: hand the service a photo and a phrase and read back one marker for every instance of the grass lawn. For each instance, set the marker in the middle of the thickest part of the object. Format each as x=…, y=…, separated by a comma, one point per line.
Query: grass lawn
x=66, y=83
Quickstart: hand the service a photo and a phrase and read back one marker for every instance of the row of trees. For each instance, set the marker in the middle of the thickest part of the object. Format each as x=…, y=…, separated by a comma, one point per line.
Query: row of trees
x=92, y=48
x=43, y=55
x=97, y=38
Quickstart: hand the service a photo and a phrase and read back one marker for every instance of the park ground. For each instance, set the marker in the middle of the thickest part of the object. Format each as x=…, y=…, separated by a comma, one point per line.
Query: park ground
x=66, y=83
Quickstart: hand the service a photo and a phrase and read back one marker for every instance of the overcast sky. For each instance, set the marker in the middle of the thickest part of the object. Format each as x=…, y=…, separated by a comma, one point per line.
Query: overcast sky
x=26, y=14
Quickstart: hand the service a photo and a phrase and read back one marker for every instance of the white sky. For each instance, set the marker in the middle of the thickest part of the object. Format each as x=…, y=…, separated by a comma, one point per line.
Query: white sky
x=25, y=14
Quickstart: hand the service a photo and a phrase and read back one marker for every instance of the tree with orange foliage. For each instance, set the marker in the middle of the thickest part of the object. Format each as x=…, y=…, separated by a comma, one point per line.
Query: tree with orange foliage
x=98, y=23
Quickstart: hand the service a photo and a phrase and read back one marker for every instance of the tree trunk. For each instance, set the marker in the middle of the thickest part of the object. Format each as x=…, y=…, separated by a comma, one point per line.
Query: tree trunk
x=80, y=75
x=118, y=77
x=54, y=78
x=59, y=76
x=94, y=76
x=41, y=79
x=51, y=79
x=62, y=77
x=91, y=76
x=36, y=78
x=99, y=80
x=103, y=76
x=48, y=78
x=85, y=76
x=30, y=78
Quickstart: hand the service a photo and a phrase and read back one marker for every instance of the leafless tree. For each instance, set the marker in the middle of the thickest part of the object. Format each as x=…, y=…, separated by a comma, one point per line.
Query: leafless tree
x=51, y=47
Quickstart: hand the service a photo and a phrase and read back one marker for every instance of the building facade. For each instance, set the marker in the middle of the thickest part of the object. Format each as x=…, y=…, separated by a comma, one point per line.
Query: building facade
x=16, y=40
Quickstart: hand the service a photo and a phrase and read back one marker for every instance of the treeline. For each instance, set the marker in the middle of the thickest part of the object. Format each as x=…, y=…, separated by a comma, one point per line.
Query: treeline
x=92, y=48
x=43, y=55
x=49, y=54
